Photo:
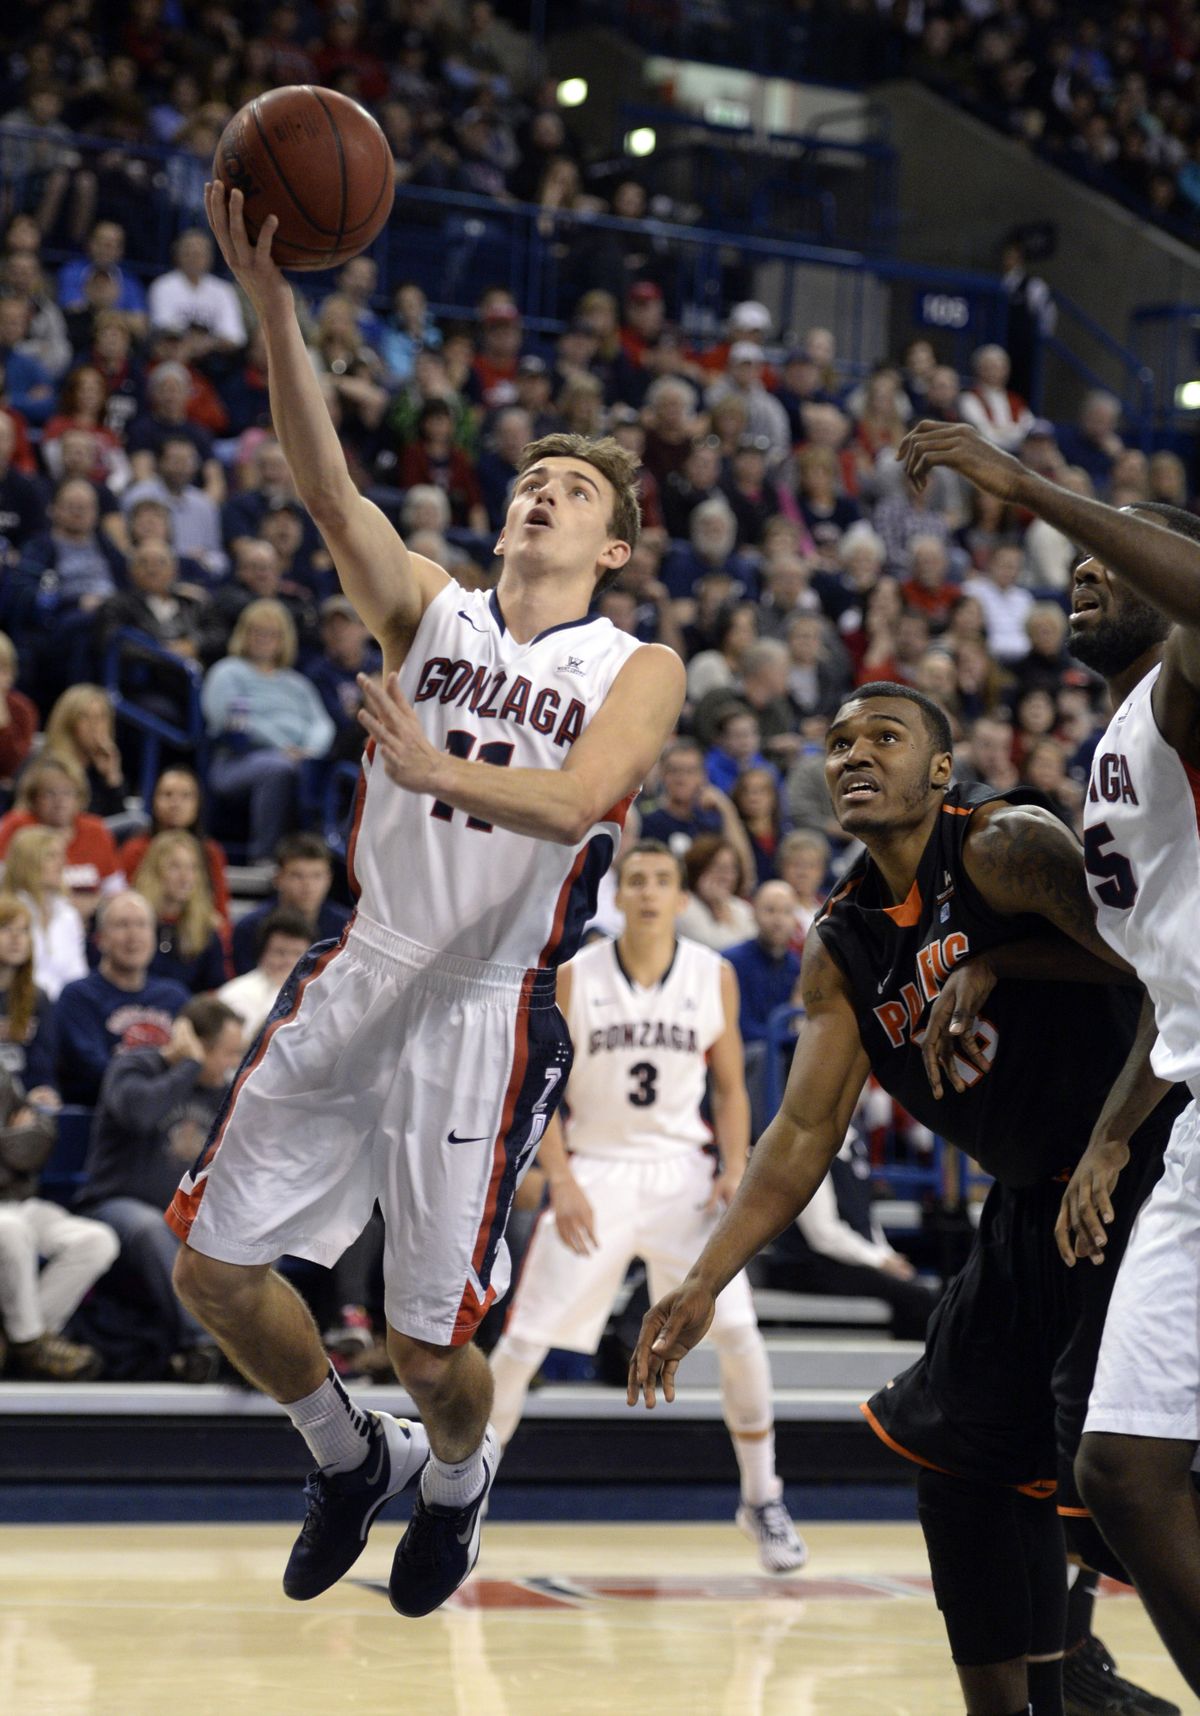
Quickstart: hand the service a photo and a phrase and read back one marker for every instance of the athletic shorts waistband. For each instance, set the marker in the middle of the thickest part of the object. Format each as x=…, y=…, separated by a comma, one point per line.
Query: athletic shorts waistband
x=454, y=973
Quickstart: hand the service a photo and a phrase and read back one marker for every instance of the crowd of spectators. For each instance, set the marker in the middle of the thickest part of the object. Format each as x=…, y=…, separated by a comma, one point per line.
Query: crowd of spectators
x=141, y=490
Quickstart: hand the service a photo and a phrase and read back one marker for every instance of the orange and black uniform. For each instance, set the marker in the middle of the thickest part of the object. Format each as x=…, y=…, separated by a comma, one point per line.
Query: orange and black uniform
x=1001, y=1391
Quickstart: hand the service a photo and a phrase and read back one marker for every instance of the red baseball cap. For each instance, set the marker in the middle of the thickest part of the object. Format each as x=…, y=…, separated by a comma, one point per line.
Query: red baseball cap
x=644, y=292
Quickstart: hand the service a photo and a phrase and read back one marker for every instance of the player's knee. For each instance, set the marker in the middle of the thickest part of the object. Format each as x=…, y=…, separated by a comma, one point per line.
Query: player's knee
x=1121, y=1477
x=420, y=1367
x=743, y=1341
x=215, y=1293
x=99, y=1247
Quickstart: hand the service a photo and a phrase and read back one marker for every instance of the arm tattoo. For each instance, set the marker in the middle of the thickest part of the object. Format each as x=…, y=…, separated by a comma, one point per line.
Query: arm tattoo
x=1026, y=861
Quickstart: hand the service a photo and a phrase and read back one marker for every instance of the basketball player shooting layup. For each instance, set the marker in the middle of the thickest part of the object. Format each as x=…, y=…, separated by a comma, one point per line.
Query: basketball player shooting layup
x=418, y=1060
x=1135, y=619
x=651, y=1017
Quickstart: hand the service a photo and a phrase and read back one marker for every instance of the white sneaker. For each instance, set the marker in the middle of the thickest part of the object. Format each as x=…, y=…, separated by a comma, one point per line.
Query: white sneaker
x=781, y=1549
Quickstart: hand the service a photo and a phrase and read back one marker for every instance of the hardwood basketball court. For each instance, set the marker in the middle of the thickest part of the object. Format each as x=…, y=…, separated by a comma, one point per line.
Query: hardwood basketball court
x=558, y=1620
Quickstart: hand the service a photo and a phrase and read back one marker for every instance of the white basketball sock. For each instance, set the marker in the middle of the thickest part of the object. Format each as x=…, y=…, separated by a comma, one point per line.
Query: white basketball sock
x=756, y=1463
x=446, y=1484
x=514, y=1364
x=335, y=1429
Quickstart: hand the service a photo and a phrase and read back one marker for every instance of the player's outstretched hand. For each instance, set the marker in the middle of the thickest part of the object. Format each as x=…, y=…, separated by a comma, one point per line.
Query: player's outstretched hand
x=573, y=1215
x=251, y=264
x=407, y=756
x=951, y=1044
x=963, y=449
x=1087, y=1208
x=670, y=1330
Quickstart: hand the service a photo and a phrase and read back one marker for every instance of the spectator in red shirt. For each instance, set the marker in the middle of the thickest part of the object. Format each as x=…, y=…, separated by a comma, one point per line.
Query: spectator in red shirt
x=645, y=317
x=18, y=716
x=52, y=793
x=928, y=588
x=175, y=808
x=433, y=458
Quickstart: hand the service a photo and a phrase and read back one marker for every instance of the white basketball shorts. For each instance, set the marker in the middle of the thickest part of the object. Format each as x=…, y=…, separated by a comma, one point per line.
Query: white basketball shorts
x=386, y=1071
x=1148, y=1374
x=653, y=1210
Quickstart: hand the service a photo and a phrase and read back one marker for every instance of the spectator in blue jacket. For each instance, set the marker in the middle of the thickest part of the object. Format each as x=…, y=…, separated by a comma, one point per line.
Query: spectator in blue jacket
x=265, y=720
x=303, y=874
x=735, y=747
x=118, y=1006
x=155, y=1111
x=347, y=649
x=64, y=574
x=768, y=975
x=105, y=249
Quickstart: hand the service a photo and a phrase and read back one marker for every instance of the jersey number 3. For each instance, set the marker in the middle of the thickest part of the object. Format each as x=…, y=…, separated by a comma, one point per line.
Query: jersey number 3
x=1115, y=885
x=645, y=1077
x=461, y=744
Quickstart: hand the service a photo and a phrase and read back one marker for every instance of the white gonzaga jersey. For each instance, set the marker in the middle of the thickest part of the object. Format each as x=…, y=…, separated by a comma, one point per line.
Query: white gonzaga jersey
x=641, y=1055
x=453, y=882
x=1142, y=851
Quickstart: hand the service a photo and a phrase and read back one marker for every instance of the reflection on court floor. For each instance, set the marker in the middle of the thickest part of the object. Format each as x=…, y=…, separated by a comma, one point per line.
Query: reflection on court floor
x=578, y=1620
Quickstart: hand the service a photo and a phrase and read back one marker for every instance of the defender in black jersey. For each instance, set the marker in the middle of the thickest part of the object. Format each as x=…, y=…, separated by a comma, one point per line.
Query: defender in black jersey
x=993, y=1411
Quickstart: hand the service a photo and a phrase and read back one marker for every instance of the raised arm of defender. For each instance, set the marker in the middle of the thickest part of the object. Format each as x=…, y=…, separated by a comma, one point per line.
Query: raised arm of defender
x=787, y=1165
x=390, y=587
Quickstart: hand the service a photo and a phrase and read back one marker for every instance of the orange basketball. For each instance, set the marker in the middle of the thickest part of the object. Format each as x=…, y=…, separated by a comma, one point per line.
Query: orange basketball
x=316, y=160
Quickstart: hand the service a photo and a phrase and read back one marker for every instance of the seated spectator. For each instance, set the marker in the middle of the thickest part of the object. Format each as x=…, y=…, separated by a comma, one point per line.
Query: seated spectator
x=755, y=796
x=905, y=515
x=495, y=364
x=347, y=649
x=655, y=620
x=765, y=416
x=117, y=1007
x=689, y=804
x=871, y=644
x=713, y=536
x=819, y=673
x=195, y=515
x=762, y=688
x=157, y=604
x=768, y=975
x=800, y=385
x=18, y=717
x=75, y=455
x=987, y=757
x=156, y=1107
x=720, y=668
x=1093, y=441
x=190, y=297
x=879, y=426
x=860, y=555
x=735, y=746
x=697, y=480
x=1005, y=602
x=982, y=683
x=265, y=720
x=827, y=513
x=496, y=467
x=48, y=1258
x=283, y=938
x=943, y=392
x=581, y=406
x=174, y=878
x=34, y=870
x=168, y=394
x=534, y=390
x=1167, y=480
x=715, y=913
x=150, y=521
x=82, y=728
x=303, y=876
x=802, y=861
x=837, y=1246
x=28, y=1028
x=752, y=499
x=787, y=593
x=433, y=458
x=51, y=794
x=28, y=385
x=408, y=329
x=1035, y=716
x=1049, y=659
x=83, y=404
x=22, y=514
x=105, y=249
x=929, y=589
x=64, y=575
x=1045, y=769
x=990, y=406
x=270, y=485
x=673, y=432
x=175, y=808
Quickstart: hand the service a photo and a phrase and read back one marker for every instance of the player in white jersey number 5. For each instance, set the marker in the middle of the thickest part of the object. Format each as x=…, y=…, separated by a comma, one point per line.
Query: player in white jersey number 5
x=417, y=1062
x=650, y=1016
x=1136, y=619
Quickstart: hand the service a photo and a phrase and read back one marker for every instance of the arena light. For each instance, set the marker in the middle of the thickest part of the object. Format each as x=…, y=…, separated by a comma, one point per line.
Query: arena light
x=1187, y=396
x=572, y=92
x=641, y=141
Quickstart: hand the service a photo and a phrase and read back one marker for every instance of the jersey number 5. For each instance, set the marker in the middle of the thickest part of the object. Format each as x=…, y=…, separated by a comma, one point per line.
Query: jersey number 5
x=461, y=744
x=1111, y=871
